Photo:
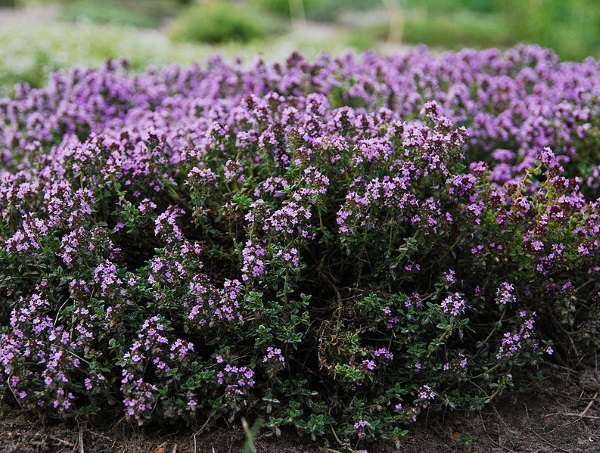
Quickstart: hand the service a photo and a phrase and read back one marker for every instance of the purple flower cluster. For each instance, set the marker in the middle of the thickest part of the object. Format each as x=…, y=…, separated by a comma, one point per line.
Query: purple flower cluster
x=274, y=354
x=207, y=304
x=139, y=397
x=513, y=342
x=454, y=304
x=361, y=427
x=237, y=380
x=36, y=349
x=505, y=294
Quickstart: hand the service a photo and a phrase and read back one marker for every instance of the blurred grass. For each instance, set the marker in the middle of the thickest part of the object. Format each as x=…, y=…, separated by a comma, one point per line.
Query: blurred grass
x=108, y=13
x=219, y=22
x=30, y=55
x=281, y=8
x=571, y=28
x=456, y=30
x=445, y=6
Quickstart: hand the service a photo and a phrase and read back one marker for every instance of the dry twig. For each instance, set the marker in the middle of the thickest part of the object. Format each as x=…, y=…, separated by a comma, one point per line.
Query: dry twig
x=573, y=414
x=590, y=403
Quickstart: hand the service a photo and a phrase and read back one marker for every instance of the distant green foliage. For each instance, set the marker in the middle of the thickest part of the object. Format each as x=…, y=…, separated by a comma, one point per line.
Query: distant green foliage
x=453, y=5
x=362, y=40
x=281, y=8
x=330, y=9
x=97, y=12
x=29, y=55
x=218, y=22
x=570, y=28
x=460, y=30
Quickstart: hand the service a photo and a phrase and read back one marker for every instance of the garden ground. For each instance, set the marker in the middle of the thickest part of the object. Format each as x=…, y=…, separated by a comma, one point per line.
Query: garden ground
x=560, y=414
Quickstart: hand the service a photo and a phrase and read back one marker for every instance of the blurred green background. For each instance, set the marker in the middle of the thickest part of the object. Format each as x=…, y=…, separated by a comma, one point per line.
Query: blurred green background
x=40, y=36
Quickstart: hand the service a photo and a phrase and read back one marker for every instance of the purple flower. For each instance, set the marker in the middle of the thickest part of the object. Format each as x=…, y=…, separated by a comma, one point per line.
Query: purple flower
x=274, y=353
x=454, y=304
x=505, y=294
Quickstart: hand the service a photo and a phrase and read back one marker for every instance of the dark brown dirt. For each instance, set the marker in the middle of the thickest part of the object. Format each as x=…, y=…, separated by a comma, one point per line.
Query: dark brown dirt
x=560, y=414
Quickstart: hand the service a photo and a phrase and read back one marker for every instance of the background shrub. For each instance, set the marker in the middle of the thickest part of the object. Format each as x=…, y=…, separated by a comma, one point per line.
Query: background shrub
x=109, y=13
x=216, y=22
x=568, y=28
x=281, y=8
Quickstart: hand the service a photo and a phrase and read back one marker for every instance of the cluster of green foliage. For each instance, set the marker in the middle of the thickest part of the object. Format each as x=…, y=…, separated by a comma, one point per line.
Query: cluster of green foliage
x=138, y=14
x=453, y=5
x=217, y=22
x=570, y=28
x=465, y=29
x=281, y=8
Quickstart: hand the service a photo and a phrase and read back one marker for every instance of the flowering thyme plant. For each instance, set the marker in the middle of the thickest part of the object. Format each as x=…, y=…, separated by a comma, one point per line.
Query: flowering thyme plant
x=335, y=245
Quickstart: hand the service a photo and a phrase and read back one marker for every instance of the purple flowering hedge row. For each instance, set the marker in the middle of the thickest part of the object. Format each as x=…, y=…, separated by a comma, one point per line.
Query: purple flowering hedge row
x=332, y=246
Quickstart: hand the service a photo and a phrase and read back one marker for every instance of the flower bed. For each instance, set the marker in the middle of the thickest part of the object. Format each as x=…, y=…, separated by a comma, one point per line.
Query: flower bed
x=334, y=245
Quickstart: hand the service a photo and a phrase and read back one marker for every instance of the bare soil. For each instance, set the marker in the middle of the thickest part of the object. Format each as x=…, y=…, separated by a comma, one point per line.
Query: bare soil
x=561, y=413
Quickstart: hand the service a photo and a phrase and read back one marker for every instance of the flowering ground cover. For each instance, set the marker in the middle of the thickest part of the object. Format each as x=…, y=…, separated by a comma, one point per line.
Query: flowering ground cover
x=332, y=246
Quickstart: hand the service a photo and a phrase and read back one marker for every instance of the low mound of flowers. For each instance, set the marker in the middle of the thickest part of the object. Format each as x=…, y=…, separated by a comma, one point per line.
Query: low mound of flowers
x=334, y=246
